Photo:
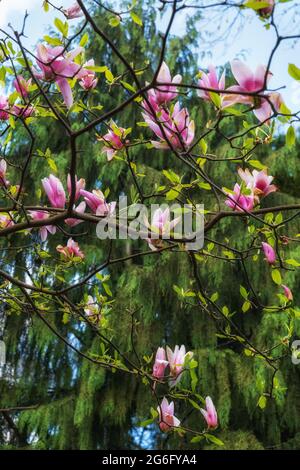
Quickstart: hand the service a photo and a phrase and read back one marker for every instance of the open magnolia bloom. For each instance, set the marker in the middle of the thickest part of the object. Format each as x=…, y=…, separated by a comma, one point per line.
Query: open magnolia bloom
x=43, y=215
x=167, y=419
x=174, y=128
x=160, y=225
x=97, y=203
x=71, y=250
x=58, y=66
x=258, y=181
x=114, y=140
x=177, y=360
x=165, y=93
x=238, y=201
x=210, y=80
x=74, y=11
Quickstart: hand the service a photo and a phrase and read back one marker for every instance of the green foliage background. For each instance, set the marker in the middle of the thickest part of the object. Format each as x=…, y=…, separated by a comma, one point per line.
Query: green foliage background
x=81, y=406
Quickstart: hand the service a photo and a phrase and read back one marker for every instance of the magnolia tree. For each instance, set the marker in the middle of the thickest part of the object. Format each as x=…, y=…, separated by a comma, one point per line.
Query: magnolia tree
x=54, y=82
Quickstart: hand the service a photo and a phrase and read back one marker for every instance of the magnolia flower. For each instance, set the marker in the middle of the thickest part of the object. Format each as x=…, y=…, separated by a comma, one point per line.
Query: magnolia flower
x=258, y=181
x=161, y=225
x=210, y=80
x=71, y=250
x=22, y=85
x=287, y=292
x=268, y=106
x=92, y=309
x=248, y=82
x=42, y=215
x=22, y=111
x=175, y=129
x=266, y=11
x=57, y=66
x=210, y=414
x=164, y=94
x=88, y=77
x=80, y=209
x=55, y=191
x=238, y=201
x=4, y=115
x=114, y=140
x=3, y=169
x=160, y=364
x=176, y=359
x=96, y=202
x=167, y=420
x=80, y=184
x=73, y=11
x=269, y=253
x=6, y=221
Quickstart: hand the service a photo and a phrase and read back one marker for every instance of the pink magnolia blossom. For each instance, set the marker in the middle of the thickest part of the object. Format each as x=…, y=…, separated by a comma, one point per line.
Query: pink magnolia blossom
x=164, y=94
x=248, y=82
x=22, y=111
x=114, y=140
x=269, y=253
x=160, y=225
x=4, y=107
x=3, y=169
x=55, y=191
x=266, y=110
x=97, y=203
x=80, y=209
x=258, y=181
x=22, y=85
x=167, y=420
x=266, y=11
x=176, y=359
x=57, y=66
x=42, y=215
x=71, y=250
x=88, y=77
x=6, y=221
x=92, y=309
x=160, y=364
x=238, y=201
x=74, y=11
x=175, y=128
x=210, y=414
x=80, y=184
x=287, y=292
x=210, y=80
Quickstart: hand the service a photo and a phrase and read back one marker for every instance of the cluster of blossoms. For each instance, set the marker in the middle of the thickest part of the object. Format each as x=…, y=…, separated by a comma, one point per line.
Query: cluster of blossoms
x=22, y=87
x=173, y=126
x=176, y=361
x=58, y=66
x=249, y=89
x=167, y=419
x=255, y=186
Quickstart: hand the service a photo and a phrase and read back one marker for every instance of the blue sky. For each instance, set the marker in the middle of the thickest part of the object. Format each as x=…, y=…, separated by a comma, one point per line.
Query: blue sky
x=253, y=43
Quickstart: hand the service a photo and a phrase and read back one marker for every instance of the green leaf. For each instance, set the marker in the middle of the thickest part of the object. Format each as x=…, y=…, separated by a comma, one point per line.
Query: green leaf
x=214, y=439
x=136, y=18
x=62, y=27
x=245, y=307
x=294, y=71
x=256, y=5
x=244, y=293
x=84, y=40
x=52, y=41
x=196, y=439
x=262, y=402
x=293, y=262
x=46, y=6
x=276, y=276
x=114, y=21
x=107, y=289
x=290, y=137
x=257, y=164
x=171, y=195
x=108, y=75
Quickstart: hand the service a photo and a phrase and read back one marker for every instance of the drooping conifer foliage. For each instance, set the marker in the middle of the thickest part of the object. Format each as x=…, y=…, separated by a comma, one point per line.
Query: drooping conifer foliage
x=126, y=328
